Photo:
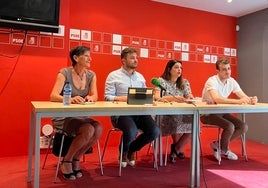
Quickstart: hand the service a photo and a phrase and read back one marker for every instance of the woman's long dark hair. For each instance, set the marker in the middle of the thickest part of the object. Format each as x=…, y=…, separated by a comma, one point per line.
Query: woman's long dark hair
x=167, y=76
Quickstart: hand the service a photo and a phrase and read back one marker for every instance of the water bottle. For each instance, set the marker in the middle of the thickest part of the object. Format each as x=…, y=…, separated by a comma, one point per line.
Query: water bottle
x=67, y=94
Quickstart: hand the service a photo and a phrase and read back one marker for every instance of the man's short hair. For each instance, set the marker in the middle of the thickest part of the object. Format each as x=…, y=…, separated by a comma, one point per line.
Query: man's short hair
x=127, y=51
x=221, y=61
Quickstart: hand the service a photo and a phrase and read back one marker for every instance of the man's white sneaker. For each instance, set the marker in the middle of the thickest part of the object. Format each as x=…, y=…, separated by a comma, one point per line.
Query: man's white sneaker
x=131, y=163
x=230, y=155
x=124, y=161
x=131, y=158
x=124, y=164
x=215, y=147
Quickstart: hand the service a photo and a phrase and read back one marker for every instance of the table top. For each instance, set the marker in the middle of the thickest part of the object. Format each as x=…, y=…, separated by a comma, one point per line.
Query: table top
x=229, y=108
x=113, y=108
x=122, y=108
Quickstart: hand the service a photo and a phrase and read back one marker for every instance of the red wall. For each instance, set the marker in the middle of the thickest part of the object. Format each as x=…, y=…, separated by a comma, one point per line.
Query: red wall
x=30, y=76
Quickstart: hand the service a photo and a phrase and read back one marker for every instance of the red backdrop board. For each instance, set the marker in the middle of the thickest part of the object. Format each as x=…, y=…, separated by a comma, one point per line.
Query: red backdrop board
x=160, y=32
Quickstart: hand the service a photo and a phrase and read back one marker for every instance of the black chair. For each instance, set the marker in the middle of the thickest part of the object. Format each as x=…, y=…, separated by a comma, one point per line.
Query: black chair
x=121, y=149
x=61, y=143
x=243, y=141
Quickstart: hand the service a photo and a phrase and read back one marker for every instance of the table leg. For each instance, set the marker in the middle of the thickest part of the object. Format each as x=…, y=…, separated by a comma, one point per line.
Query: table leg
x=159, y=141
x=30, y=149
x=193, y=151
x=197, y=162
x=37, y=152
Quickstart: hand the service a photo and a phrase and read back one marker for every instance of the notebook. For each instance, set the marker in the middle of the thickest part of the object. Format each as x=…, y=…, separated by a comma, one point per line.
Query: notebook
x=138, y=95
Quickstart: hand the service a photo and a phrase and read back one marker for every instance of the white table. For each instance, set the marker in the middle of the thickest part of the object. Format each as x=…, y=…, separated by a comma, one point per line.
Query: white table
x=52, y=109
x=203, y=108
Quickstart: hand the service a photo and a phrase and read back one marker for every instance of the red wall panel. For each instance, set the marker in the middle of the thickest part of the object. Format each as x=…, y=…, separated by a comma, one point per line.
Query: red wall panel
x=143, y=24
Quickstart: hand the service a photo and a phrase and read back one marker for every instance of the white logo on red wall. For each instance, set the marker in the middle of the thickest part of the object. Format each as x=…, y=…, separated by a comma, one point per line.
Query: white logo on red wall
x=17, y=38
x=177, y=46
x=75, y=34
x=31, y=40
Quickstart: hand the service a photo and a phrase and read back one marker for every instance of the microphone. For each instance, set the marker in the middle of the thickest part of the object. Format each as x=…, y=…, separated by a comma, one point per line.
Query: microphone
x=156, y=82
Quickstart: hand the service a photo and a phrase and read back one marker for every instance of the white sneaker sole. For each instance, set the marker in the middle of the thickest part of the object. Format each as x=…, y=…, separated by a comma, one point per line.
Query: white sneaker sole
x=124, y=164
x=131, y=163
x=217, y=154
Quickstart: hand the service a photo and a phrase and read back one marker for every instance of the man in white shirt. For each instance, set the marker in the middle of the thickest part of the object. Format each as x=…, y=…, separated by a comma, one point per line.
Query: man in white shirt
x=217, y=90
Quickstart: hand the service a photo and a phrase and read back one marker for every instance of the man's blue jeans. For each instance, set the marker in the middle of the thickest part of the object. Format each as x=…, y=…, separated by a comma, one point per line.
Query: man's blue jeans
x=130, y=125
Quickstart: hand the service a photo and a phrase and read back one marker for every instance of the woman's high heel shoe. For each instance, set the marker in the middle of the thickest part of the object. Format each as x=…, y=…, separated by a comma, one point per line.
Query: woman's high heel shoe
x=68, y=176
x=172, y=156
x=180, y=155
x=77, y=172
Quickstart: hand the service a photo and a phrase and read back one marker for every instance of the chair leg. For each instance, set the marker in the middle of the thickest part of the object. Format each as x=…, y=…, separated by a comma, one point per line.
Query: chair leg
x=121, y=156
x=219, y=148
x=121, y=149
x=49, y=147
x=166, y=151
x=243, y=142
x=155, y=146
x=160, y=147
x=59, y=158
x=99, y=155
x=105, y=145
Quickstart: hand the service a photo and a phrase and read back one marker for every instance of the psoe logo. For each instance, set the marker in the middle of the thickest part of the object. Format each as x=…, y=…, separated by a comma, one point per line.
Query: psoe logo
x=75, y=36
x=17, y=41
